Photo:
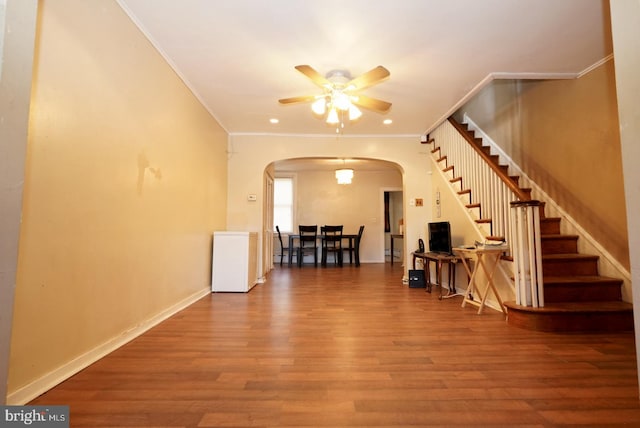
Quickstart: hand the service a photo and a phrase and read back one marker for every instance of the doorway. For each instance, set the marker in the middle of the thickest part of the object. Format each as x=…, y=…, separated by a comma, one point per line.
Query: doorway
x=393, y=222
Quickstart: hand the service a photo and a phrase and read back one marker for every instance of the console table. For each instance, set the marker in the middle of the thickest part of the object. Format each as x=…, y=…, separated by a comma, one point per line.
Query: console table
x=439, y=259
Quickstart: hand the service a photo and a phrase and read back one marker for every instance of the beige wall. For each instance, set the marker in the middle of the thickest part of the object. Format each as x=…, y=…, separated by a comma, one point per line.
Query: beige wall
x=251, y=154
x=125, y=183
x=564, y=134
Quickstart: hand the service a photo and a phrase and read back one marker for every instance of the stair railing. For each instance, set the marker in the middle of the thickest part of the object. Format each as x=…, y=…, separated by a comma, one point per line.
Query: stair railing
x=527, y=253
x=491, y=187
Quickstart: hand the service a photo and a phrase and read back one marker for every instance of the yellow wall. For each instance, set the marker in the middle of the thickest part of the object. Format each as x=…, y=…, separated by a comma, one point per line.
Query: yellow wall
x=564, y=135
x=125, y=182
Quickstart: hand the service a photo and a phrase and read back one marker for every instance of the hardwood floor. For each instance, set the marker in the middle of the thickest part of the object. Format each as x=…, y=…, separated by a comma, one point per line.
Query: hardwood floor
x=353, y=347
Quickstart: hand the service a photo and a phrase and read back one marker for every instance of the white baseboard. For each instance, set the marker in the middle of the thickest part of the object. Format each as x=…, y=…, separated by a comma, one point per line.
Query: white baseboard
x=55, y=377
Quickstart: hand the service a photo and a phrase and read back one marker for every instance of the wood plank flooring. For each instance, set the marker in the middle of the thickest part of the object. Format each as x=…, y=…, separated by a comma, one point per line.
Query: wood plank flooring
x=341, y=347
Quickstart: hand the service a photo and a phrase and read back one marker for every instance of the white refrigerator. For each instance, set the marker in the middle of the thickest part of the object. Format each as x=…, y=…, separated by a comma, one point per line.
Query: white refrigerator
x=234, y=265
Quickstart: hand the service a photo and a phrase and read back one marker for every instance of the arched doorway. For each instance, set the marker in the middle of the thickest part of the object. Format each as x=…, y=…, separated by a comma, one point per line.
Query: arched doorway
x=319, y=199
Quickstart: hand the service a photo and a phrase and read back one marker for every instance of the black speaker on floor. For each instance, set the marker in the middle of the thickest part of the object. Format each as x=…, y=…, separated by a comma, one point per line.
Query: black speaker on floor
x=416, y=279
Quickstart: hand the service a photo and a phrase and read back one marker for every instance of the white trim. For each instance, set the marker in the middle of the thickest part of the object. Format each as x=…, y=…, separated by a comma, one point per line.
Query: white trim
x=533, y=76
x=62, y=373
x=596, y=65
x=319, y=135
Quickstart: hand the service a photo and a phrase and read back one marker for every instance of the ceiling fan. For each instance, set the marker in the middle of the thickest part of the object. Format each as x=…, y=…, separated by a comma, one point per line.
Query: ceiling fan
x=341, y=94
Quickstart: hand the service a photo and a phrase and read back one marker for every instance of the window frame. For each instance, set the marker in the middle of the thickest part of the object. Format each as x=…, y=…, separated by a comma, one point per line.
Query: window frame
x=292, y=178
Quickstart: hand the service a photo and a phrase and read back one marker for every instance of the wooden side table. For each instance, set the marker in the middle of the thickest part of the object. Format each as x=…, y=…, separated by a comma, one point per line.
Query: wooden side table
x=489, y=267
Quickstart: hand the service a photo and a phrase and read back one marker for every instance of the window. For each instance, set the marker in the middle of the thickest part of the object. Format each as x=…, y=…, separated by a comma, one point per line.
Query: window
x=283, y=204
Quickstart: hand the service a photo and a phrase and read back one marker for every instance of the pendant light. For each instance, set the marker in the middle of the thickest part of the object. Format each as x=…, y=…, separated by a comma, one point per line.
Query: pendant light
x=344, y=175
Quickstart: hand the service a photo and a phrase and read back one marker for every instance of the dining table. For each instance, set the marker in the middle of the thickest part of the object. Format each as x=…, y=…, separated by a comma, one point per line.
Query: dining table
x=350, y=237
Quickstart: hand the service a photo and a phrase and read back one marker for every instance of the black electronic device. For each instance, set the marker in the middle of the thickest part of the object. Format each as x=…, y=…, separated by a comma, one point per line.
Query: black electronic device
x=416, y=278
x=440, y=237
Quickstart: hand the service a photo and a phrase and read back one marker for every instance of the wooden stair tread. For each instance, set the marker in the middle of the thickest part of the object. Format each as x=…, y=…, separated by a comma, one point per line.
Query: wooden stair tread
x=548, y=280
x=569, y=256
x=575, y=307
x=558, y=236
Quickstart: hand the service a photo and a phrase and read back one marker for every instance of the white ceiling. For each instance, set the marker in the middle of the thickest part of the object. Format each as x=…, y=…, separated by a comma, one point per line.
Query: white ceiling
x=238, y=56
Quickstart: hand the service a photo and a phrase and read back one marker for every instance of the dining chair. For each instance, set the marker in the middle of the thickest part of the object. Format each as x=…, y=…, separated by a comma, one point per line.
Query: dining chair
x=332, y=243
x=307, y=243
x=283, y=249
x=354, y=247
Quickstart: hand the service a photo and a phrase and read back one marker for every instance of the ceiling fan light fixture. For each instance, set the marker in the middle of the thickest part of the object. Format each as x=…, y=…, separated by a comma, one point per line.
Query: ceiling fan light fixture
x=332, y=117
x=319, y=106
x=354, y=112
x=338, y=102
x=344, y=175
x=341, y=100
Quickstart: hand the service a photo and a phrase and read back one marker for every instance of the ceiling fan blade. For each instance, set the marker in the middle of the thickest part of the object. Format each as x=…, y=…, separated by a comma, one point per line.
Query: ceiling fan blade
x=371, y=103
x=369, y=78
x=315, y=77
x=303, y=99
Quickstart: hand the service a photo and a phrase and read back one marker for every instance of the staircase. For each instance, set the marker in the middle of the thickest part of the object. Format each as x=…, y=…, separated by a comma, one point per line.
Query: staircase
x=576, y=297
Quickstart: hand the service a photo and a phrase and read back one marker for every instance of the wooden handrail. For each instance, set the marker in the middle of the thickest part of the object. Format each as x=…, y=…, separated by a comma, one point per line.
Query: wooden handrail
x=500, y=172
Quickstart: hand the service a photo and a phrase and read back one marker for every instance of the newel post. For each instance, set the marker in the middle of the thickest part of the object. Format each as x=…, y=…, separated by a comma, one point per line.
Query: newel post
x=527, y=253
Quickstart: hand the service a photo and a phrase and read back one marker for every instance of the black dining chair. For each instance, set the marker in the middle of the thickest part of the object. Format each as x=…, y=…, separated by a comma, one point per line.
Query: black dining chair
x=332, y=243
x=307, y=243
x=283, y=249
x=354, y=247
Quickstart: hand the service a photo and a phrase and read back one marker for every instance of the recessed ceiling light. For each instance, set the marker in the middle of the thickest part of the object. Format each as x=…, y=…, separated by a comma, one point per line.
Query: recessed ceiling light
x=387, y=121
x=274, y=120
